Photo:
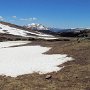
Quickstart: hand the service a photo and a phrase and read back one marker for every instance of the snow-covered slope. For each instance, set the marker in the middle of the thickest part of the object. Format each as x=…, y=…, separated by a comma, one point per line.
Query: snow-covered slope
x=7, y=29
x=14, y=31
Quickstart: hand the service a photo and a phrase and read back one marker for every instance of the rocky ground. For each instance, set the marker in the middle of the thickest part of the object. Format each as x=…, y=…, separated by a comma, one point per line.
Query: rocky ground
x=74, y=76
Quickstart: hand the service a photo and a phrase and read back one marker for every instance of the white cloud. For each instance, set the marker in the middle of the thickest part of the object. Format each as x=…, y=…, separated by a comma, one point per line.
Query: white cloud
x=28, y=19
x=1, y=18
x=32, y=19
x=23, y=19
x=14, y=16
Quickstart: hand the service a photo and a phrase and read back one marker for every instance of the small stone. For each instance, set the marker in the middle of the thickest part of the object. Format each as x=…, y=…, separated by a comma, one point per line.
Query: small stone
x=48, y=77
x=76, y=77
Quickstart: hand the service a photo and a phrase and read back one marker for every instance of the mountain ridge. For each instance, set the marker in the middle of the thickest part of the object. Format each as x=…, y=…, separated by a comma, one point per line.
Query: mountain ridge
x=12, y=29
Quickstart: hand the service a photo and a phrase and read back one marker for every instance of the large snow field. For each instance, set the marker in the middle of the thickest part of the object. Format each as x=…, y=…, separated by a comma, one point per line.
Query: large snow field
x=16, y=61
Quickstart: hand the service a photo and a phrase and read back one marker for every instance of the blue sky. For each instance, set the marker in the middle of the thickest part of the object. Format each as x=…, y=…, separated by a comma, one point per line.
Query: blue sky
x=54, y=13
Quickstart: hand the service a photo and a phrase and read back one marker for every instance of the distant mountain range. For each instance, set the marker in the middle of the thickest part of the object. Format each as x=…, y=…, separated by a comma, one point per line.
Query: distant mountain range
x=35, y=26
x=73, y=32
x=38, y=31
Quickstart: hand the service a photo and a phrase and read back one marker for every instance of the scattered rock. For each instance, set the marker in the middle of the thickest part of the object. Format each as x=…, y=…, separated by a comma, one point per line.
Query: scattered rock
x=76, y=77
x=48, y=77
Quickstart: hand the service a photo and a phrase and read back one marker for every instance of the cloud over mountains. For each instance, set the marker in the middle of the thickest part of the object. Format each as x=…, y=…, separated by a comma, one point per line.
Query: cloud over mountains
x=1, y=18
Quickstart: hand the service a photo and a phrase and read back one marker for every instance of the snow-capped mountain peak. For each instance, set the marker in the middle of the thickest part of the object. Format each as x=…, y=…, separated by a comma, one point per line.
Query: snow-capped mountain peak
x=34, y=26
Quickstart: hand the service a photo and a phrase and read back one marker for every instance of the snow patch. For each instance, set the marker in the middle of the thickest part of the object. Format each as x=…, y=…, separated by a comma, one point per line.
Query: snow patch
x=16, y=61
x=12, y=43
